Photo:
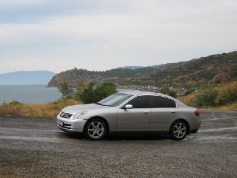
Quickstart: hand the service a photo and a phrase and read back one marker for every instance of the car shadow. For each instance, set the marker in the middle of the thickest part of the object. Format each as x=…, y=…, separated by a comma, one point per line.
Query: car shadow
x=119, y=137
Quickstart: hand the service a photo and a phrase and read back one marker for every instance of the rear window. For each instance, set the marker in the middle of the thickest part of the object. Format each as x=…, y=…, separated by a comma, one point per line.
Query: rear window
x=161, y=102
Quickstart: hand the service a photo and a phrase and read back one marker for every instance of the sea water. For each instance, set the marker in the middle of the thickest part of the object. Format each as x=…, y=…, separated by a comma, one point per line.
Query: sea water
x=32, y=94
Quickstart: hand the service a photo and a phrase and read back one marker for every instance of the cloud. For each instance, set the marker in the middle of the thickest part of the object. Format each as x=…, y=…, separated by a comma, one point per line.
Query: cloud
x=132, y=31
x=39, y=11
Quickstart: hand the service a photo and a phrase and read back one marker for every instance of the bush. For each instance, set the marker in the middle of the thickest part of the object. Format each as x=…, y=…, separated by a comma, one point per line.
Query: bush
x=66, y=90
x=93, y=94
x=88, y=94
x=206, y=98
x=214, y=97
x=106, y=89
x=223, y=97
x=14, y=103
x=167, y=91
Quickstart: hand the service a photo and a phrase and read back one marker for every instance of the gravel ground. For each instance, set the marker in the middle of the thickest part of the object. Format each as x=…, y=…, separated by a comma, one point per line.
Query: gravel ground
x=36, y=148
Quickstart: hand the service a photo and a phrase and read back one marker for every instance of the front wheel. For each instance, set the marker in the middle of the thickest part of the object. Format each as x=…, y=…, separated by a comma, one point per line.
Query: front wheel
x=178, y=130
x=96, y=129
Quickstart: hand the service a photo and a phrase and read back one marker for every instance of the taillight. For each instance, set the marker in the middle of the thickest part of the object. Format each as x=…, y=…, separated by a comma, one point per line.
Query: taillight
x=196, y=113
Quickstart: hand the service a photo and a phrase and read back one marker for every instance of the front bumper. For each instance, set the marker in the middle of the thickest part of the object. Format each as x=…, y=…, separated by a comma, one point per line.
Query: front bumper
x=68, y=125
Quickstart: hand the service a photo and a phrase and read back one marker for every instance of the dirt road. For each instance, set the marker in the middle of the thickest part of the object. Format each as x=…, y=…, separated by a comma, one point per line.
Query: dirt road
x=36, y=148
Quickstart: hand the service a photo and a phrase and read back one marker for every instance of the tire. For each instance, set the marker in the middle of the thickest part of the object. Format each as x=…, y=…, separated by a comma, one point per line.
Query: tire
x=178, y=130
x=95, y=129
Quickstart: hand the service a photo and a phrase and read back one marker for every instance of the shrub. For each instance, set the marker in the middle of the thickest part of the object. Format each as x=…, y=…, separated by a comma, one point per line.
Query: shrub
x=14, y=103
x=88, y=94
x=206, y=98
x=106, y=89
x=217, y=97
x=167, y=91
x=223, y=97
x=66, y=90
x=93, y=94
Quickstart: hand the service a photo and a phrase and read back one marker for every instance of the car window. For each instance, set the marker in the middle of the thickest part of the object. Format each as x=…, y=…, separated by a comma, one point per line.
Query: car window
x=161, y=102
x=140, y=102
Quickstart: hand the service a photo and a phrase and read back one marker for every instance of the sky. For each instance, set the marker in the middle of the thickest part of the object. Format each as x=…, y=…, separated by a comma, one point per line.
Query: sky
x=59, y=35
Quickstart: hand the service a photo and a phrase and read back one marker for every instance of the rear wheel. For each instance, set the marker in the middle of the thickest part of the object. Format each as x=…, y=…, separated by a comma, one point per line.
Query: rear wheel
x=178, y=130
x=96, y=129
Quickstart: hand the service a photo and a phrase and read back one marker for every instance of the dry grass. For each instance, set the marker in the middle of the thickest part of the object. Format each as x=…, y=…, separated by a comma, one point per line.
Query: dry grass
x=189, y=99
x=229, y=107
x=49, y=110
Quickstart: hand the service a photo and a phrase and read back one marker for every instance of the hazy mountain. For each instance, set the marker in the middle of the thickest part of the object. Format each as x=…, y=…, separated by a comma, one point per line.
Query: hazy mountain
x=26, y=78
x=131, y=67
x=138, y=67
x=158, y=66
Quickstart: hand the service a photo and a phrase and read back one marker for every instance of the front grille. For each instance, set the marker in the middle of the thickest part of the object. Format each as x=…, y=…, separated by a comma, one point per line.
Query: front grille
x=68, y=126
x=65, y=115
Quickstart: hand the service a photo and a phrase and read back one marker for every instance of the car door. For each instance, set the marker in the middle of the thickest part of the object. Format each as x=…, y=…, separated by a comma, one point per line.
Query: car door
x=137, y=118
x=163, y=113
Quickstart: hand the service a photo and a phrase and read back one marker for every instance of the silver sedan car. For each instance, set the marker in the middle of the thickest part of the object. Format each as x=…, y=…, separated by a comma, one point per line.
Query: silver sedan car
x=131, y=111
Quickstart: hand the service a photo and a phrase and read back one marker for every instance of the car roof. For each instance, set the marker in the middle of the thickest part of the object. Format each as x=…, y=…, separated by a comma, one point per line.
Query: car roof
x=138, y=92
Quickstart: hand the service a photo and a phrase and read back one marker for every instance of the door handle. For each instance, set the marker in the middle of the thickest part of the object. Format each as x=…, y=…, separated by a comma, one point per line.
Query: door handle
x=146, y=112
x=173, y=112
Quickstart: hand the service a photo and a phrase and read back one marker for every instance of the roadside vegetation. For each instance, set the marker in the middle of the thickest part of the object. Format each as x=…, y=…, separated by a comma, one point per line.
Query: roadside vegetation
x=222, y=97
x=82, y=94
x=49, y=110
x=87, y=93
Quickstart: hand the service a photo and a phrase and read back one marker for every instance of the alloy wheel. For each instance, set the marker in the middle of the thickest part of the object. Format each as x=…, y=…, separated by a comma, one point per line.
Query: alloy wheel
x=96, y=129
x=178, y=130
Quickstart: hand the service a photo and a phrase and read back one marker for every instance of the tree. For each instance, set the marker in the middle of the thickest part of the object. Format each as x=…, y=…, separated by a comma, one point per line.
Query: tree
x=104, y=90
x=80, y=89
x=93, y=94
x=167, y=91
x=88, y=94
x=66, y=90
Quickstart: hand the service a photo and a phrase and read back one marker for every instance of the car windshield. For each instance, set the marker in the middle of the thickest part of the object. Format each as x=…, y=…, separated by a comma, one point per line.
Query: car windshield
x=114, y=100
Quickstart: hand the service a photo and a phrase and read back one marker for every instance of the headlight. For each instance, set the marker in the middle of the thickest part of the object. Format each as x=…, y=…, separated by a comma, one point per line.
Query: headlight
x=79, y=115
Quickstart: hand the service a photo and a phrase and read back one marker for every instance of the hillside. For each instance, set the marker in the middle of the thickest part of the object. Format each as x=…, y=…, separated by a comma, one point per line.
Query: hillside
x=214, y=69
x=26, y=78
x=120, y=76
x=210, y=70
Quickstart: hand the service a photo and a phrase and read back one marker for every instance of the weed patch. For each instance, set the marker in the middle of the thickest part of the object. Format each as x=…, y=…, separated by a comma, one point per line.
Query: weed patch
x=49, y=110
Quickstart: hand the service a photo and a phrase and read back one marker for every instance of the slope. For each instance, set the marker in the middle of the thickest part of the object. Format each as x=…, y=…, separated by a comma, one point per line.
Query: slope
x=210, y=70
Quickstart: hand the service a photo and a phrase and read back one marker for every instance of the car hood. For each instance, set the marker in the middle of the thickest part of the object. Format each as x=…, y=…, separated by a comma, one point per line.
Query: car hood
x=77, y=108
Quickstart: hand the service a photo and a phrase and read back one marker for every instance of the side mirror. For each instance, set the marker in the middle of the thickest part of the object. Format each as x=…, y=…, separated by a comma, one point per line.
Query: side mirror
x=128, y=106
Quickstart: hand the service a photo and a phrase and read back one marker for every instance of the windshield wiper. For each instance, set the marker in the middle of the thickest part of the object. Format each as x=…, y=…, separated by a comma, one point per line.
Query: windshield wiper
x=99, y=104
x=103, y=104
